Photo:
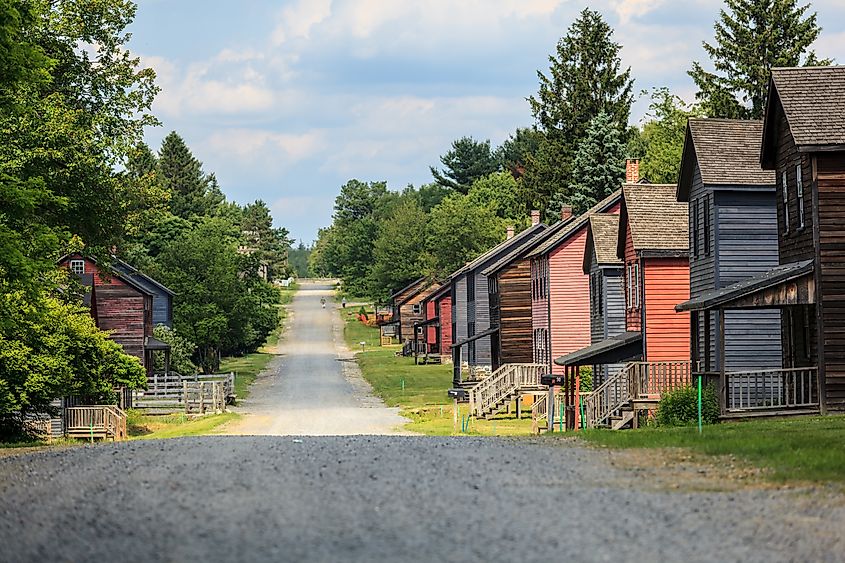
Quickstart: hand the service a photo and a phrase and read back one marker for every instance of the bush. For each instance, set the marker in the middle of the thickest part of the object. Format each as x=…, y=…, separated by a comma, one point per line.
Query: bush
x=680, y=407
x=585, y=374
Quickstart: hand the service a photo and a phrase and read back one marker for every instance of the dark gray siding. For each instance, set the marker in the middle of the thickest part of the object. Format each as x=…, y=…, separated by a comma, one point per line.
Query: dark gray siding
x=614, y=311
x=483, y=356
x=459, y=306
x=702, y=264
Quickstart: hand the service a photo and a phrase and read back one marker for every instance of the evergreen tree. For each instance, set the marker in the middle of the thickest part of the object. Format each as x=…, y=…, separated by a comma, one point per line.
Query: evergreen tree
x=141, y=161
x=598, y=168
x=181, y=173
x=752, y=36
x=515, y=151
x=467, y=161
x=585, y=79
x=398, y=250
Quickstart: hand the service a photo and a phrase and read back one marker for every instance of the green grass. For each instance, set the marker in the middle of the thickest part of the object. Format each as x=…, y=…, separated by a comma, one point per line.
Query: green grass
x=174, y=426
x=791, y=449
x=355, y=332
x=422, y=398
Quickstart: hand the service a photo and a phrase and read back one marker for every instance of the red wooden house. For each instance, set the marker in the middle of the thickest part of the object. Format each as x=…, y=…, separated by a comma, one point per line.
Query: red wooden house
x=436, y=328
x=120, y=305
x=653, y=243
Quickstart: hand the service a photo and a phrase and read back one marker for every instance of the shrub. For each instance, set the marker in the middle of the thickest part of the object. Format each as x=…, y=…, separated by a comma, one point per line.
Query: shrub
x=585, y=373
x=680, y=407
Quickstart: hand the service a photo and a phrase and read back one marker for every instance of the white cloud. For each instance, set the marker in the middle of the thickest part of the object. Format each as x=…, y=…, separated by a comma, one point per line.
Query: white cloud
x=629, y=9
x=298, y=19
x=250, y=145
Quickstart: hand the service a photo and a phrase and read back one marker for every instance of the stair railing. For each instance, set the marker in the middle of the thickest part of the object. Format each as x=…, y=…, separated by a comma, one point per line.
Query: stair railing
x=502, y=385
x=608, y=398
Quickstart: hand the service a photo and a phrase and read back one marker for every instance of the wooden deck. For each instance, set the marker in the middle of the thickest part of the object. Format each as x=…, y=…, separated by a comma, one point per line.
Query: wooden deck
x=95, y=422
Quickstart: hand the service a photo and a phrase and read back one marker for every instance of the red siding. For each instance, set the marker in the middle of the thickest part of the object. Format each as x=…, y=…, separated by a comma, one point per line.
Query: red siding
x=446, y=325
x=667, y=333
x=569, y=291
x=430, y=330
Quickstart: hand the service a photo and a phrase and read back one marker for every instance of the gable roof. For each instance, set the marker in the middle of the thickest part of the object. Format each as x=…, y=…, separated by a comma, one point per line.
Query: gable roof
x=602, y=233
x=572, y=227
x=422, y=286
x=128, y=280
x=727, y=152
x=658, y=221
x=130, y=271
x=812, y=99
x=407, y=287
x=498, y=250
x=522, y=250
x=445, y=287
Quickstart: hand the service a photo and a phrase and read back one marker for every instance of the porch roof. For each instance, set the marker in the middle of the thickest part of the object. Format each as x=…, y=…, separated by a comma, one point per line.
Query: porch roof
x=609, y=351
x=427, y=322
x=747, y=289
x=155, y=344
x=473, y=338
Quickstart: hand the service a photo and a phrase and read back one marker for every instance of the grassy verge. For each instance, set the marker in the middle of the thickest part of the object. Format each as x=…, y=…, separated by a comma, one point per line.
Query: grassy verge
x=174, y=426
x=791, y=449
x=419, y=391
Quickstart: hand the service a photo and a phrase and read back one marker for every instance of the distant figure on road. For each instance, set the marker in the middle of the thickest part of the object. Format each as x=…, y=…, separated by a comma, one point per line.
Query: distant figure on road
x=343, y=302
x=323, y=302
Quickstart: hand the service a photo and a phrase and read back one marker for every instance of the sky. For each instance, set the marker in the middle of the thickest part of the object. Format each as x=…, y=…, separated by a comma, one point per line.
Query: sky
x=285, y=101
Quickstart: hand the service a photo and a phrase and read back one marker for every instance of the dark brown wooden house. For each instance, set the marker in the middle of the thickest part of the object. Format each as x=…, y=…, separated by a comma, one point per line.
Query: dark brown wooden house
x=803, y=142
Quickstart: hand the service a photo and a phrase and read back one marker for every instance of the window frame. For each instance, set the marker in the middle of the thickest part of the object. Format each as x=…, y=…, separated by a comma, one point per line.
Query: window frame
x=705, y=209
x=72, y=266
x=695, y=226
x=799, y=190
x=416, y=308
x=785, y=191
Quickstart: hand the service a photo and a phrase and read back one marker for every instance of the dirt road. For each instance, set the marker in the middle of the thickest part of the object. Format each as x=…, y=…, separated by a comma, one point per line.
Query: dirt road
x=313, y=387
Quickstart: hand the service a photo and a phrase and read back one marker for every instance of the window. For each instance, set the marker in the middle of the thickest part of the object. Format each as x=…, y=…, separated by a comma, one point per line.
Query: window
x=541, y=346
x=596, y=292
x=471, y=288
x=695, y=224
x=799, y=186
x=706, y=211
x=77, y=267
x=785, y=203
x=633, y=285
x=416, y=308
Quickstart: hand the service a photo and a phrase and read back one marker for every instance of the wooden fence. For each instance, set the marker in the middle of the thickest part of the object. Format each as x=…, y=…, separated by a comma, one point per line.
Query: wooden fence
x=171, y=392
x=771, y=390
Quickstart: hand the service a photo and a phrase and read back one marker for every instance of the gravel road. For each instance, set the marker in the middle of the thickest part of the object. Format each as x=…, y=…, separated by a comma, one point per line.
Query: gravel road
x=313, y=387
x=387, y=498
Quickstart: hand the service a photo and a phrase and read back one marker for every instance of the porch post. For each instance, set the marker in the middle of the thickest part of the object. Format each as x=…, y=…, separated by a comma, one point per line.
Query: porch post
x=696, y=350
x=707, y=366
x=723, y=382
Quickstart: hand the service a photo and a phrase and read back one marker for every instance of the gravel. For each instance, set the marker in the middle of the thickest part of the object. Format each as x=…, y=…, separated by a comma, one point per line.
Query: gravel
x=388, y=498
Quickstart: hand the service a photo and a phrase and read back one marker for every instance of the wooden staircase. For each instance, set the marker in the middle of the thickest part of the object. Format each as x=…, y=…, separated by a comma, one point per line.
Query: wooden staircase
x=92, y=422
x=510, y=381
x=636, y=387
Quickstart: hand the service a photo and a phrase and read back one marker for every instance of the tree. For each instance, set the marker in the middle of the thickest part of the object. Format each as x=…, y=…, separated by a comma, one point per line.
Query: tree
x=599, y=167
x=399, y=249
x=460, y=230
x=270, y=244
x=192, y=193
x=660, y=143
x=467, y=161
x=498, y=191
x=181, y=350
x=585, y=79
x=299, y=259
x=430, y=195
x=515, y=151
x=358, y=200
x=752, y=36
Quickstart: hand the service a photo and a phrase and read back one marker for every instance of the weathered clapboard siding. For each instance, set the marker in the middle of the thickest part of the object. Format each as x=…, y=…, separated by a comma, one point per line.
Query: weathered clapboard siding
x=483, y=353
x=702, y=261
x=162, y=298
x=444, y=305
x=633, y=315
x=830, y=186
x=459, y=305
x=431, y=331
x=540, y=313
x=607, y=315
x=569, y=292
x=667, y=332
x=795, y=243
x=515, y=328
x=412, y=312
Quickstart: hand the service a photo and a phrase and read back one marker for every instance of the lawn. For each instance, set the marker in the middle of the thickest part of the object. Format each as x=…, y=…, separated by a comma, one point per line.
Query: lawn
x=419, y=391
x=175, y=425
x=791, y=449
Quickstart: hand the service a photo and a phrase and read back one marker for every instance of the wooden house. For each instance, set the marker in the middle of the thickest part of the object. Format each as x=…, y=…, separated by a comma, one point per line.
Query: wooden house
x=733, y=236
x=803, y=143
x=391, y=321
x=509, y=297
x=560, y=291
x=652, y=244
x=436, y=333
x=162, y=296
x=607, y=297
x=471, y=328
x=121, y=305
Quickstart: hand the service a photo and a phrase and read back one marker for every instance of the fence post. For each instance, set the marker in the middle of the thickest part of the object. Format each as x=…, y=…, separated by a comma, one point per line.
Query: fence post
x=185, y=396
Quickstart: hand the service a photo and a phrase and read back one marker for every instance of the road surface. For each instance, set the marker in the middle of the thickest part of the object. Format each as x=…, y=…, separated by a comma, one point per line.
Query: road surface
x=390, y=498
x=313, y=387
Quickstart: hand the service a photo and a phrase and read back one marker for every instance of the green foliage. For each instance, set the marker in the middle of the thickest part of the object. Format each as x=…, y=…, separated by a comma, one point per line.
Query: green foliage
x=459, y=230
x=660, y=143
x=752, y=37
x=398, y=252
x=181, y=350
x=192, y=192
x=268, y=245
x=298, y=259
x=680, y=407
x=585, y=79
x=515, y=151
x=499, y=192
x=430, y=195
x=467, y=161
x=585, y=373
x=51, y=349
x=598, y=169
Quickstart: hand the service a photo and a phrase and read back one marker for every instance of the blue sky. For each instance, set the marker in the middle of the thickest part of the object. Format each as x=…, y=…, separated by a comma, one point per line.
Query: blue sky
x=287, y=100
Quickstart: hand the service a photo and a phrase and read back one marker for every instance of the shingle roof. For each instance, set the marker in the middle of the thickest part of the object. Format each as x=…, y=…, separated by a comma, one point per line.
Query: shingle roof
x=813, y=99
x=728, y=151
x=500, y=248
x=522, y=250
x=658, y=221
x=572, y=227
x=605, y=230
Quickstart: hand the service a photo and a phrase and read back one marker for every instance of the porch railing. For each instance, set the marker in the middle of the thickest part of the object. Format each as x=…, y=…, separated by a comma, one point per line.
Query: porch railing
x=649, y=380
x=606, y=399
x=502, y=384
x=772, y=389
x=96, y=420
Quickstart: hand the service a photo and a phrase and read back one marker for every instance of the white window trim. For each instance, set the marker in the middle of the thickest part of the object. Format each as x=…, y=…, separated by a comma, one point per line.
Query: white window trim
x=785, y=202
x=74, y=263
x=799, y=186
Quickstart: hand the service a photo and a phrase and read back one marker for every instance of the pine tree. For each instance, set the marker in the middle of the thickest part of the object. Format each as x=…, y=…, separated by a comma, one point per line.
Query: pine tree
x=752, y=36
x=181, y=173
x=467, y=161
x=598, y=168
x=585, y=79
x=141, y=161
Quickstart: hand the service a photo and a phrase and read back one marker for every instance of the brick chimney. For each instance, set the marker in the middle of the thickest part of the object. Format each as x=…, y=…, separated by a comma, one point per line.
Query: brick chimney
x=632, y=170
x=511, y=231
x=535, y=217
x=565, y=212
